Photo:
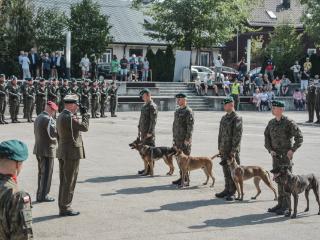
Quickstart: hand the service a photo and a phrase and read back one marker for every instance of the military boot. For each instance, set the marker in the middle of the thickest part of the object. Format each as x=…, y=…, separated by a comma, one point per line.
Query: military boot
x=274, y=209
x=222, y=194
x=3, y=120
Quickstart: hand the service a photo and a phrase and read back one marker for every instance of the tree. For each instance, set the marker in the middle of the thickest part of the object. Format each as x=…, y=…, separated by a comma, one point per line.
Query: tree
x=311, y=19
x=169, y=61
x=89, y=31
x=50, y=26
x=16, y=34
x=196, y=23
x=285, y=47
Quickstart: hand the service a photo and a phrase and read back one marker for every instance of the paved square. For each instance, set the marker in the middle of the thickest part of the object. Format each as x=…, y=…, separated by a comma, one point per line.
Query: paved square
x=115, y=203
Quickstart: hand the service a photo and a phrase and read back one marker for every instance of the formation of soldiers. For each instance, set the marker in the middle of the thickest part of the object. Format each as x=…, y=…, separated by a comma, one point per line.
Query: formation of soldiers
x=313, y=100
x=35, y=94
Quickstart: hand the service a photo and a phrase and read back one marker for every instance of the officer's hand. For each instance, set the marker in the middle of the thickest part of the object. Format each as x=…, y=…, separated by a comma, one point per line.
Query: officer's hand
x=273, y=153
x=149, y=135
x=290, y=154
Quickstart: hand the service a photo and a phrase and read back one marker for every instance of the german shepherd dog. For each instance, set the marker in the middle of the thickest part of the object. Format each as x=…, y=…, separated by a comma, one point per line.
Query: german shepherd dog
x=296, y=184
x=240, y=174
x=188, y=163
x=151, y=154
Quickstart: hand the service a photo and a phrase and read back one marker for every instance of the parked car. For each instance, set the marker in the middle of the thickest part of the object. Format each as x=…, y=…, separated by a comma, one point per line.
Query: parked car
x=104, y=71
x=228, y=71
x=254, y=72
x=202, y=72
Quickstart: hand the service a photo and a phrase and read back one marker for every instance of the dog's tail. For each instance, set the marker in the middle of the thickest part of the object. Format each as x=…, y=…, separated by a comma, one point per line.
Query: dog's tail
x=217, y=155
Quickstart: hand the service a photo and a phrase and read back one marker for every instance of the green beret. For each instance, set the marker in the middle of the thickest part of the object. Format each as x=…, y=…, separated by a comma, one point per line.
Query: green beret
x=41, y=80
x=276, y=103
x=14, y=150
x=181, y=95
x=228, y=100
x=28, y=79
x=143, y=91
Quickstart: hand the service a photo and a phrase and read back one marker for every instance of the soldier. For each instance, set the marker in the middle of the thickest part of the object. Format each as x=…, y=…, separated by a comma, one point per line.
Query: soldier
x=112, y=94
x=95, y=95
x=14, y=99
x=15, y=204
x=103, y=98
x=23, y=86
x=84, y=94
x=70, y=151
x=53, y=91
x=63, y=91
x=29, y=95
x=311, y=100
x=41, y=96
x=317, y=102
x=148, y=120
x=229, y=139
x=278, y=141
x=74, y=89
x=45, y=133
x=3, y=102
x=182, y=127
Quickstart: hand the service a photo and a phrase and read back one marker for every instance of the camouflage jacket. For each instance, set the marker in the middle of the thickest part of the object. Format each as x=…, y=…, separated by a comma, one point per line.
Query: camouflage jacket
x=64, y=91
x=104, y=94
x=41, y=93
x=311, y=93
x=148, y=119
x=3, y=90
x=112, y=92
x=13, y=92
x=29, y=92
x=182, y=125
x=230, y=133
x=15, y=211
x=278, y=135
x=94, y=92
x=53, y=93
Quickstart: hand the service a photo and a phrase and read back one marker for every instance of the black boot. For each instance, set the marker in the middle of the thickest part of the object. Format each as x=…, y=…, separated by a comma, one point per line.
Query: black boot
x=274, y=209
x=177, y=182
x=4, y=121
x=222, y=194
x=282, y=211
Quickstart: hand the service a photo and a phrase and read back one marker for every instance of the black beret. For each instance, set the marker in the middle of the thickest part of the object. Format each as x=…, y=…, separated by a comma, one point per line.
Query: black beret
x=181, y=95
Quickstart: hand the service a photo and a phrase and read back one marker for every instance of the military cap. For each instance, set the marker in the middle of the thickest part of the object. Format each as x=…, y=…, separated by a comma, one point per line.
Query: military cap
x=14, y=150
x=143, y=91
x=228, y=100
x=181, y=95
x=86, y=80
x=71, y=98
x=13, y=77
x=41, y=80
x=65, y=80
x=28, y=79
x=276, y=103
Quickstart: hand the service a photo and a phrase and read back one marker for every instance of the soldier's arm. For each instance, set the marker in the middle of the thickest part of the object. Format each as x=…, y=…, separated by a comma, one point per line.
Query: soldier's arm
x=236, y=134
x=20, y=217
x=267, y=139
x=190, y=123
x=297, y=135
x=153, y=119
x=82, y=126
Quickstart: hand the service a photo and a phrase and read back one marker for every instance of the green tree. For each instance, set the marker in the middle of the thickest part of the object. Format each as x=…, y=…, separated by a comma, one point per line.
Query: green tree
x=285, y=47
x=311, y=19
x=89, y=31
x=169, y=61
x=196, y=23
x=50, y=26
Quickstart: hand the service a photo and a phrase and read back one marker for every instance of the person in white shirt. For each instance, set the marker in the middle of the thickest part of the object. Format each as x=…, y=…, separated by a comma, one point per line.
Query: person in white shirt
x=263, y=100
x=256, y=99
x=85, y=64
x=296, y=68
x=218, y=63
x=25, y=64
x=197, y=85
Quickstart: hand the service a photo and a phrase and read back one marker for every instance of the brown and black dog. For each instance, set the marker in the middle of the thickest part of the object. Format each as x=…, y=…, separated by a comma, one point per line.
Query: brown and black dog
x=151, y=154
x=240, y=174
x=188, y=163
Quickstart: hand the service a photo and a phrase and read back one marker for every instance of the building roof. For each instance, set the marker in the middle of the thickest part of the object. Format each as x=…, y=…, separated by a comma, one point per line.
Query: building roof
x=127, y=23
x=261, y=18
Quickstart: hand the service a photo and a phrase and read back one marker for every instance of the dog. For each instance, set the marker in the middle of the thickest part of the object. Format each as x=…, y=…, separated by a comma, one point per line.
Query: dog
x=296, y=184
x=188, y=163
x=240, y=174
x=151, y=154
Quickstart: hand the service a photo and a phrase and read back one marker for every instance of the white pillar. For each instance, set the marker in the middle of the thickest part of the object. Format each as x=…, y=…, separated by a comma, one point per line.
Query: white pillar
x=248, y=54
x=68, y=53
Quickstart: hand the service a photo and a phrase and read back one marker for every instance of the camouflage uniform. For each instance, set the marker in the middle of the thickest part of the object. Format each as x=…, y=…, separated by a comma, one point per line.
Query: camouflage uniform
x=317, y=104
x=15, y=211
x=29, y=94
x=14, y=101
x=112, y=93
x=229, y=140
x=84, y=94
x=3, y=102
x=41, y=99
x=278, y=138
x=182, y=128
x=95, y=93
x=147, y=123
x=53, y=93
x=63, y=91
x=311, y=100
x=103, y=100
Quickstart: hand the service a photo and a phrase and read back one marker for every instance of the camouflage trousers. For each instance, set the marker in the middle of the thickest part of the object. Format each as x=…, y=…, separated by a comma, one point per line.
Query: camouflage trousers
x=40, y=105
x=186, y=149
x=113, y=105
x=229, y=185
x=3, y=104
x=14, y=109
x=279, y=160
x=94, y=107
x=102, y=107
x=29, y=109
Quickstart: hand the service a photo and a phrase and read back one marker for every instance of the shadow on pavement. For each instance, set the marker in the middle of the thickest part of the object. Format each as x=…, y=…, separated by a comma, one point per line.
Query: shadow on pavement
x=44, y=218
x=109, y=179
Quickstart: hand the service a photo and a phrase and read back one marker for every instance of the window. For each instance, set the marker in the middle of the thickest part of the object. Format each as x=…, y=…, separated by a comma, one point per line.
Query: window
x=137, y=52
x=204, y=58
x=271, y=15
x=107, y=56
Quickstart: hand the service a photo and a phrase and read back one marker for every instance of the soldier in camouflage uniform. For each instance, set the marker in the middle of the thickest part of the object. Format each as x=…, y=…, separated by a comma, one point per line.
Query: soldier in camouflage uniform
x=22, y=87
x=311, y=101
x=15, y=204
x=182, y=127
x=14, y=99
x=84, y=94
x=29, y=94
x=3, y=102
x=112, y=94
x=53, y=91
x=229, y=140
x=278, y=141
x=147, y=121
x=317, y=102
x=74, y=89
x=41, y=96
x=103, y=98
x=95, y=95
x=63, y=91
